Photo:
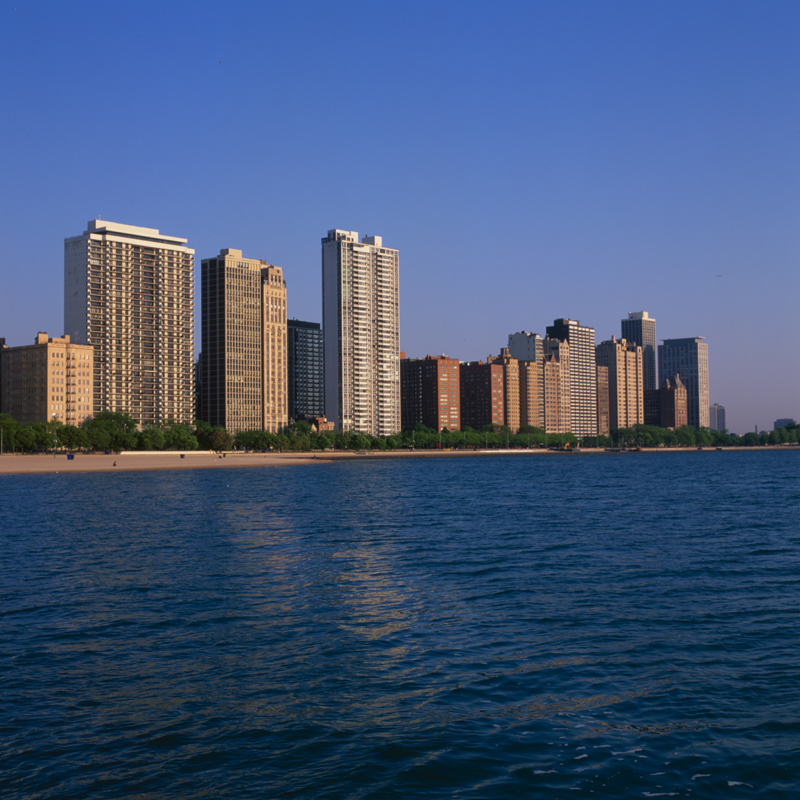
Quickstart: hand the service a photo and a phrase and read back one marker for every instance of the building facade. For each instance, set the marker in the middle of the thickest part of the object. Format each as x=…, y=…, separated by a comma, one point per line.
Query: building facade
x=51, y=378
x=557, y=399
x=129, y=292
x=243, y=373
x=689, y=359
x=511, y=389
x=305, y=367
x=529, y=347
x=640, y=328
x=531, y=401
x=673, y=402
x=782, y=423
x=582, y=372
x=361, y=321
x=625, y=391
x=482, y=396
x=603, y=402
x=716, y=417
x=431, y=392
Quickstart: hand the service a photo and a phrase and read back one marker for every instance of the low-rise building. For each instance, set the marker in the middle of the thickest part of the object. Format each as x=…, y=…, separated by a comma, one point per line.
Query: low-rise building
x=51, y=378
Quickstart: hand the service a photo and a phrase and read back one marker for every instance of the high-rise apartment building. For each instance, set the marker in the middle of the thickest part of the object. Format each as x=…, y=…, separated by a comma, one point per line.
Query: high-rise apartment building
x=511, y=390
x=531, y=400
x=557, y=400
x=625, y=392
x=243, y=336
x=306, y=375
x=582, y=371
x=689, y=359
x=529, y=347
x=716, y=417
x=603, y=402
x=361, y=324
x=640, y=328
x=129, y=292
x=482, y=400
x=666, y=407
x=51, y=378
x=431, y=392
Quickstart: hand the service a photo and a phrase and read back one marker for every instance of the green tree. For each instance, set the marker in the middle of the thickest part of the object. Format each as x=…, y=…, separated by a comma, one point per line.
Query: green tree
x=220, y=439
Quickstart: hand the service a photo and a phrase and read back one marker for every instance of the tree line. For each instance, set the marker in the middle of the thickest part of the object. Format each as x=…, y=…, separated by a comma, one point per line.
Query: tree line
x=115, y=431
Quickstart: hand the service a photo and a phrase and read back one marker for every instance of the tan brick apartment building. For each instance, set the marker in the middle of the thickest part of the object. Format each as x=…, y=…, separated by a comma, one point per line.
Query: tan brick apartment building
x=51, y=378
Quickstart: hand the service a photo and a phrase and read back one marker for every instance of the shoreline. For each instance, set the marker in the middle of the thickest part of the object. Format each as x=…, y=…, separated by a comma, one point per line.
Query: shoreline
x=127, y=461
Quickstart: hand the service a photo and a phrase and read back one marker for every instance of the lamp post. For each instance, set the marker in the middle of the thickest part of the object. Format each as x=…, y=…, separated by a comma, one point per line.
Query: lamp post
x=55, y=439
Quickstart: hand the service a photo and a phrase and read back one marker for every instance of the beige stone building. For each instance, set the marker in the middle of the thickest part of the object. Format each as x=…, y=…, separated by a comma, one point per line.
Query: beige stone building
x=556, y=372
x=603, y=427
x=129, y=292
x=511, y=390
x=625, y=381
x=530, y=395
x=243, y=374
x=51, y=378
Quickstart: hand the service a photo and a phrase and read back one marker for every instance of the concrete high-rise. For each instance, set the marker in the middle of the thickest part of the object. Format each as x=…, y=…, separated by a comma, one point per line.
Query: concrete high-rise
x=640, y=328
x=243, y=335
x=129, y=292
x=716, y=417
x=306, y=375
x=51, y=378
x=361, y=325
x=625, y=394
x=582, y=372
x=689, y=359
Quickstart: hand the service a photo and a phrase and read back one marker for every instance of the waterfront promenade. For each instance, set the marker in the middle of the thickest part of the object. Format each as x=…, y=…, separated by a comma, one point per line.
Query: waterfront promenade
x=159, y=460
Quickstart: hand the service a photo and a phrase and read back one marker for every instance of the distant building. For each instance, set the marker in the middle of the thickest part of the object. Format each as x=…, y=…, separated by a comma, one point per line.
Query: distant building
x=603, y=402
x=482, y=400
x=51, y=378
x=625, y=397
x=129, y=292
x=556, y=371
x=716, y=417
x=640, y=328
x=243, y=334
x=666, y=407
x=361, y=321
x=582, y=373
x=782, y=423
x=531, y=399
x=689, y=359
x=511, y=393
x=431, y=392
x=306, y=378
x=529, y=348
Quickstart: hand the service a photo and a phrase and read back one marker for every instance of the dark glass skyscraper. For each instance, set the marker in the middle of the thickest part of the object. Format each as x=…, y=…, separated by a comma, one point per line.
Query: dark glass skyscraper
x=640, y=328
x=305, y=364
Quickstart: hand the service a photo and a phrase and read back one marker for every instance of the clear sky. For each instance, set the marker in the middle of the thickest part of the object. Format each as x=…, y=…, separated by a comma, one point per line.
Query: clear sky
x=530, y=160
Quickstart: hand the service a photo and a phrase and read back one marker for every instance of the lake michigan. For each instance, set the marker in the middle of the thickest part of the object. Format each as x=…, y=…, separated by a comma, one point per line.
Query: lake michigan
x=531, y=626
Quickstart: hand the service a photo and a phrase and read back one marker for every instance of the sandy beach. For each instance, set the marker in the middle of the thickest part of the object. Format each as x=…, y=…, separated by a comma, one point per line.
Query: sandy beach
x=122, y=462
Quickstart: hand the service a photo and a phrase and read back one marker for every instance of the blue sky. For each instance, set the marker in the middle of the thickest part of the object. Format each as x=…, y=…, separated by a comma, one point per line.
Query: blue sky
x=529, y=160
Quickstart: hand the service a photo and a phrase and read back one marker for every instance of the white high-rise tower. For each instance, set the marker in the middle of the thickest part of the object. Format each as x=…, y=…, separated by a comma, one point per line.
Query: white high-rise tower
x=361, y=331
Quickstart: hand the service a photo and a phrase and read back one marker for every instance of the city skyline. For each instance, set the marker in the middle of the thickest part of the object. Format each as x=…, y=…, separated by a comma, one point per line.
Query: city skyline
x=536, y=162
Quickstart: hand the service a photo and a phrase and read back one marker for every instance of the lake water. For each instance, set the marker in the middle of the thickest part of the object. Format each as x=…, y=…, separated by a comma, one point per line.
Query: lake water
x=567, y=626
